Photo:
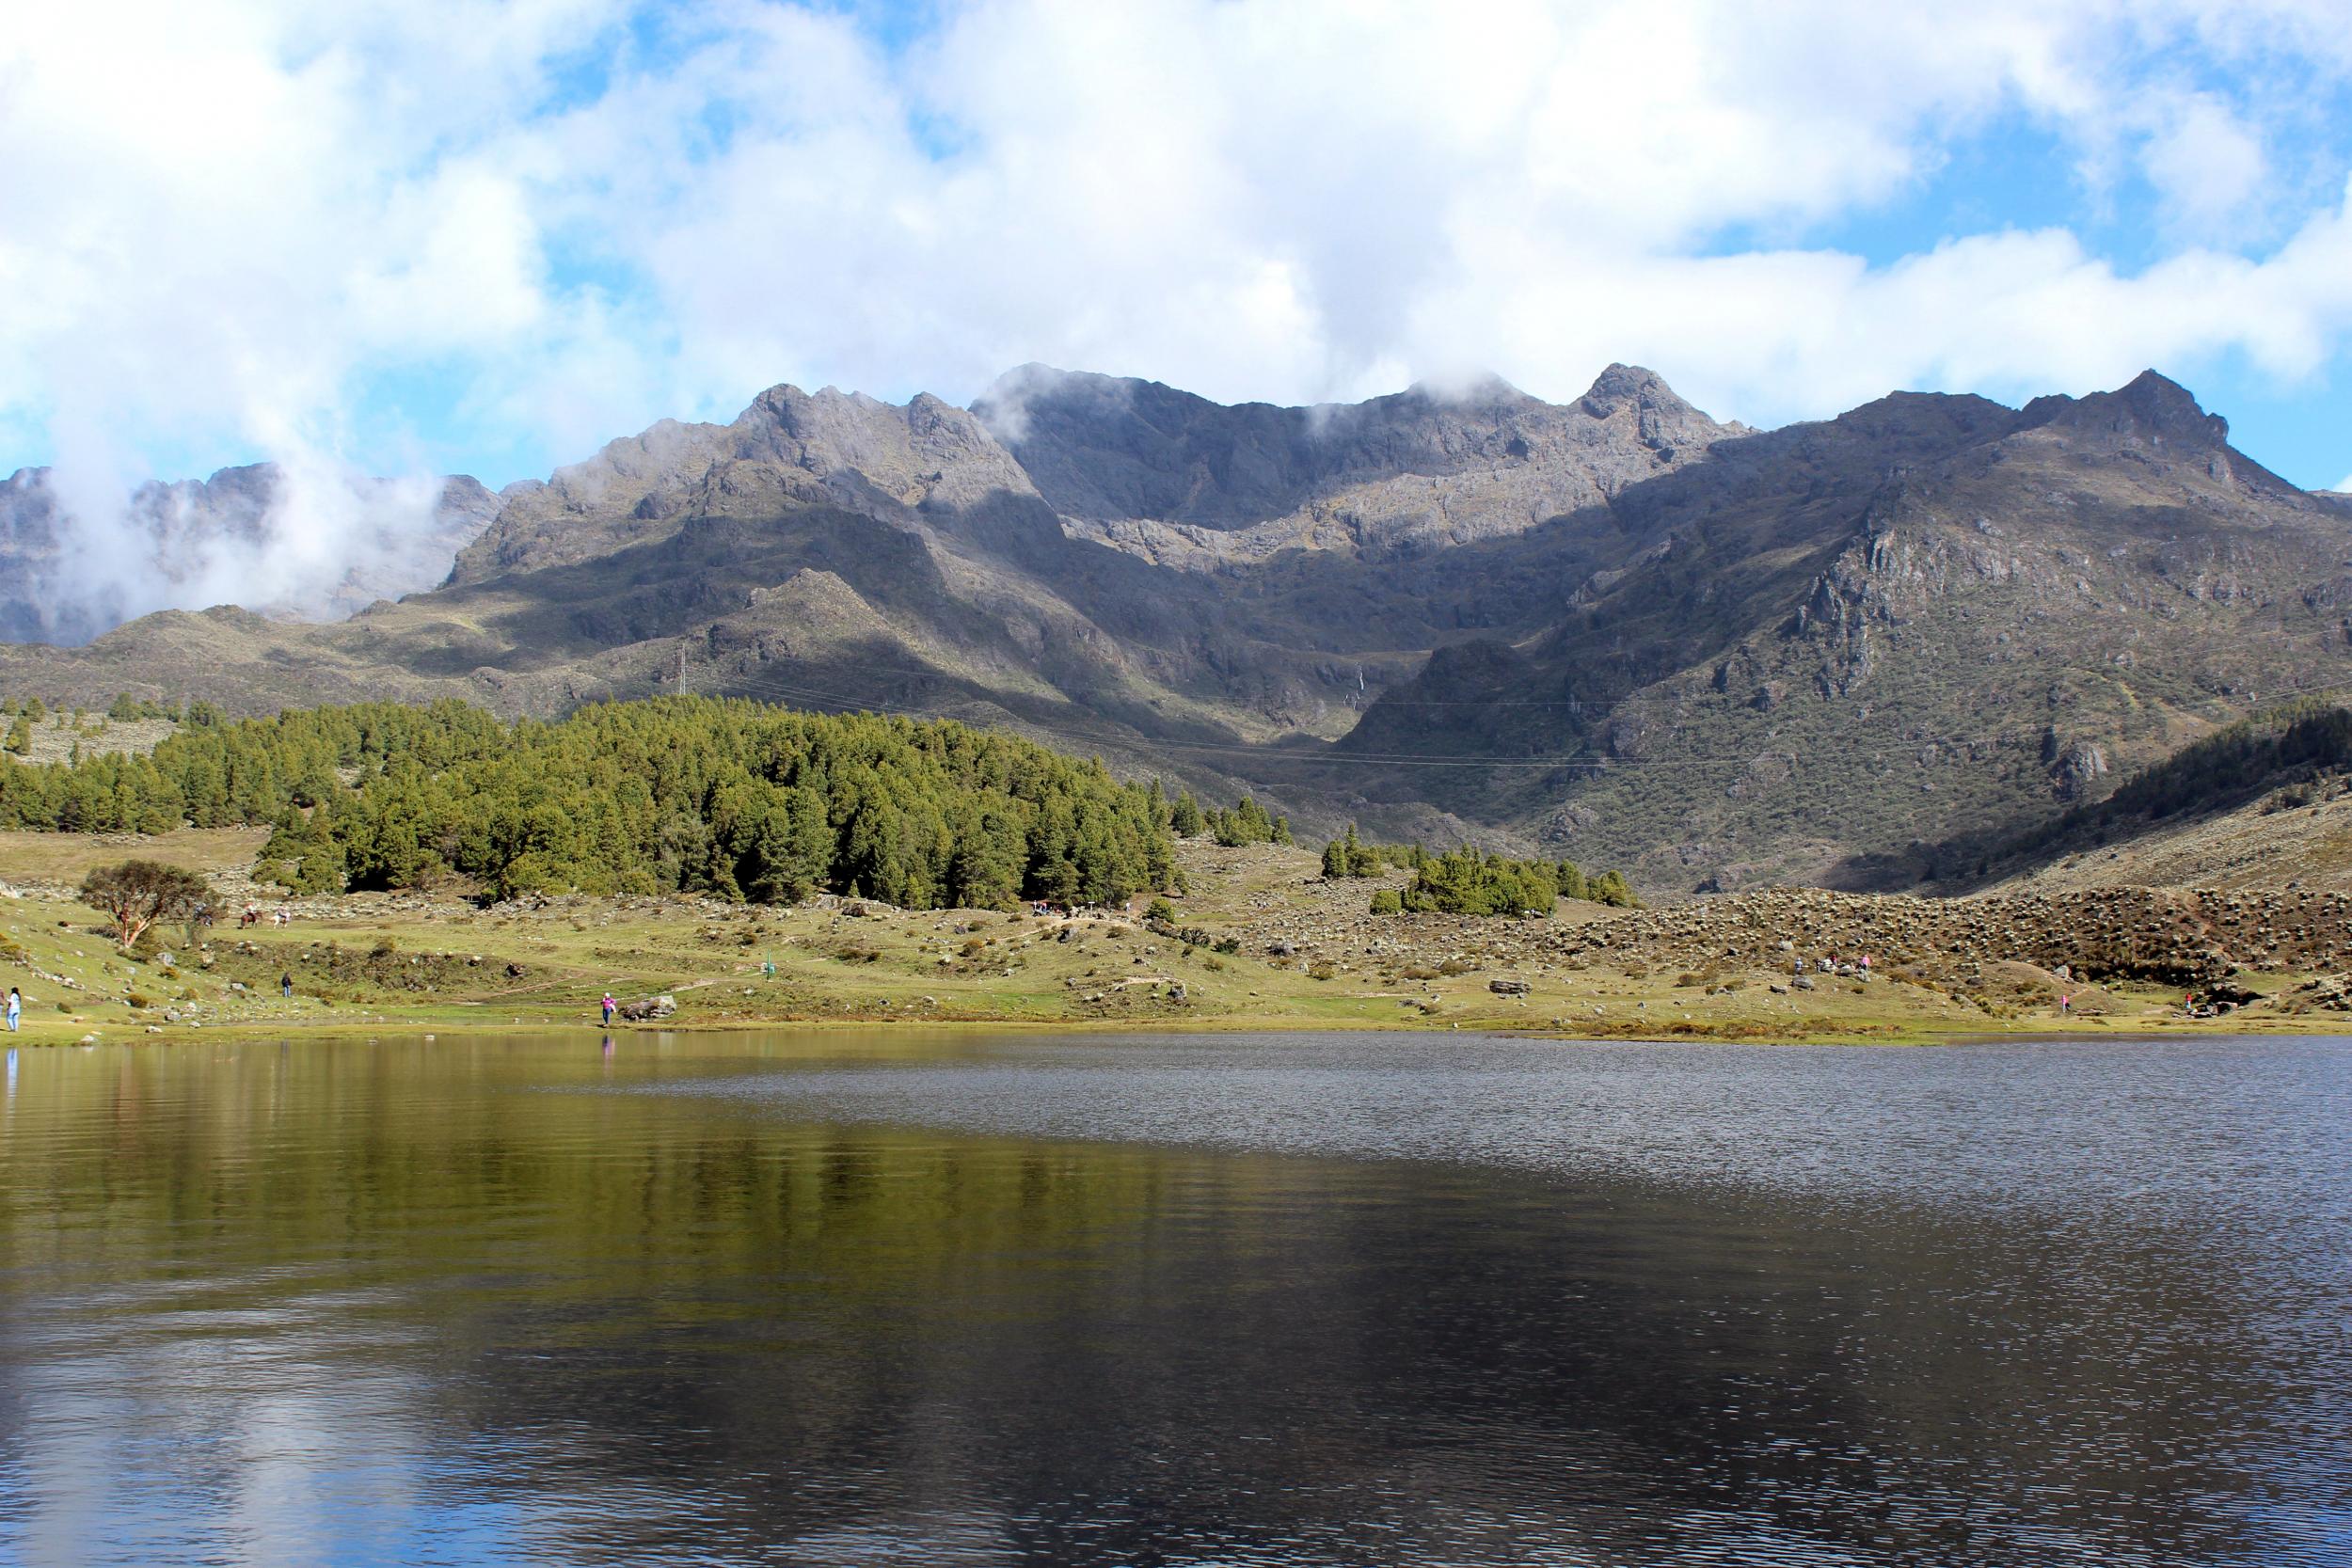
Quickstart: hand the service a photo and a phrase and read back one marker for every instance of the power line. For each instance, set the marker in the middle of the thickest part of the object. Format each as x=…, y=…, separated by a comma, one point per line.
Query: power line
x=1274, y=753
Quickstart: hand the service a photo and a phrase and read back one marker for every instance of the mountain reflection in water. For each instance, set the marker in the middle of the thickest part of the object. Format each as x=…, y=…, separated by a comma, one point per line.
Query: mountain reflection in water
x=861, y=1298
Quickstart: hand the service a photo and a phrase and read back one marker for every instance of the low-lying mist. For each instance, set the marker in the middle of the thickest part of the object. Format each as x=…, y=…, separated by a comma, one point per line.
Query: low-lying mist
x=301, y=540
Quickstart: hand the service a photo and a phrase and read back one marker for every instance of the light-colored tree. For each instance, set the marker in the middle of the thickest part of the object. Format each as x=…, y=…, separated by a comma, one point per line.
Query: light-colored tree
x=138, y=893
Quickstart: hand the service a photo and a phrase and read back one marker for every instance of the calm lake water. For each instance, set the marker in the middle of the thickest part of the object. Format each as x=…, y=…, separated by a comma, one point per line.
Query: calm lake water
x=860, y=1298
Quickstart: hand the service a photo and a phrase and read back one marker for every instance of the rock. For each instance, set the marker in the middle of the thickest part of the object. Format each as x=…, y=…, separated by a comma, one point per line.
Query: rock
x=1509, y=988
x=649, y=1010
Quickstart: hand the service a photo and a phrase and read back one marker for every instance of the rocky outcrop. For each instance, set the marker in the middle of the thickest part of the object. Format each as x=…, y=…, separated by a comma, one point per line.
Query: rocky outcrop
x=1187, y=483
x=2160, y=936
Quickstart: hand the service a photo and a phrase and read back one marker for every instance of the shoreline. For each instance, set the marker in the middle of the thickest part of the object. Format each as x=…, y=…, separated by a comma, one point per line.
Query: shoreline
x=1890, y=1035
x=1261, y=943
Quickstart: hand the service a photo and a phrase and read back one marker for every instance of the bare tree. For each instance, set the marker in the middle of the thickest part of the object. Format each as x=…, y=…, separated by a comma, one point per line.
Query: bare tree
x=138, y=893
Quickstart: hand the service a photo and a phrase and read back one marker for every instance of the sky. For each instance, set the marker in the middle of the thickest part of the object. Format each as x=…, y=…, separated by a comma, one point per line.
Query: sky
x=405, y=237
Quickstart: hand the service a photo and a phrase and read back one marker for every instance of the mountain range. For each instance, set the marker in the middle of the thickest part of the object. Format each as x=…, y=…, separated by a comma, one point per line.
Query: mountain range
x=1841, y=652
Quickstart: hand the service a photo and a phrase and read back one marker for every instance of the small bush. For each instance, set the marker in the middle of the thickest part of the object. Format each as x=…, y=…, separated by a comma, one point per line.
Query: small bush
x=137, y=1000
x=1455, y=966
x=1388, y=901
x=1322, y=969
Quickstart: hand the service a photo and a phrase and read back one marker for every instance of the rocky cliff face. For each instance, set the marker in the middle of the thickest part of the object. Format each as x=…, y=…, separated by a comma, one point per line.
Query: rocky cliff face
x=1612, y=626
x=1184, y=481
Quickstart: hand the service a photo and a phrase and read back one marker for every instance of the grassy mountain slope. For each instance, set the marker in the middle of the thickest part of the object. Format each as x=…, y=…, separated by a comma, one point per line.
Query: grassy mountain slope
x=2263, y=802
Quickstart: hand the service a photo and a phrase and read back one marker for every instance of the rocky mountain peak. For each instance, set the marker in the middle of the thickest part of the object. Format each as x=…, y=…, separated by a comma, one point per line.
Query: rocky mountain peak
x=2163, y=408
x=1636, y=404
x=1629, y=384
x=907, y=451
x=1478, y=389
x=2151, y=408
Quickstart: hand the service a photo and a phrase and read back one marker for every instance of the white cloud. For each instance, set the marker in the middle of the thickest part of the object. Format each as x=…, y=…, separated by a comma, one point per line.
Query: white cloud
x=2208, y=166
x=223, y=221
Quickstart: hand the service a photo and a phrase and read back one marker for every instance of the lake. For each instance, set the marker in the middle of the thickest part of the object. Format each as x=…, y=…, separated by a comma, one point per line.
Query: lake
x=868, y=1298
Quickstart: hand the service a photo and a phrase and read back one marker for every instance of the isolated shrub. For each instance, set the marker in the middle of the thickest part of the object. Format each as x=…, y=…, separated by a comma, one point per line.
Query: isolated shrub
x=137, y=895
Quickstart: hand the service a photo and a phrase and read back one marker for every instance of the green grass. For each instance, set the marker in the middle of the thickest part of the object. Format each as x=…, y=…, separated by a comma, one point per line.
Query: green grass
x=70, y=857
x=376, y=967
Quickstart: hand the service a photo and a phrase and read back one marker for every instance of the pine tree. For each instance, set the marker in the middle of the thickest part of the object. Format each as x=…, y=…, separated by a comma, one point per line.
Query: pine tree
x=1184, y=819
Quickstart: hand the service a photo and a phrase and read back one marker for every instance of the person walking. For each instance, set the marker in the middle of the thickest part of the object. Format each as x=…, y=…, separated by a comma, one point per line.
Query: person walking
x=610, y=1007
x=16, y=1010
x=285, y=985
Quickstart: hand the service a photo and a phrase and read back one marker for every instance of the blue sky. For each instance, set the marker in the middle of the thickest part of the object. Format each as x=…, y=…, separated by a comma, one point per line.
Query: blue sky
x=486, y=237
